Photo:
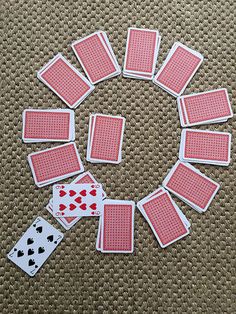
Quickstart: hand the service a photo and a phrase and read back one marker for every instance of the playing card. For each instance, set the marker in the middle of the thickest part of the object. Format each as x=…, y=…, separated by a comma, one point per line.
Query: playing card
x=77, y=200
x=207, y=147
x=117, y=230
x=66, y=222
x=54, y=164
x=204, y=108
x=35, y=246
x=54, y=125
x=162, y=215
x=141, y=53
x=178, y=69
x=65, y=81
x=105, y=139
x=157, y=192
x=191, y=186
x=95, y=54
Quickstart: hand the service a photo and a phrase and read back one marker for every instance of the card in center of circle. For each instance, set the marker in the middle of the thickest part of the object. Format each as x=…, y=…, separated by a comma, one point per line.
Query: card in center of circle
x=72, y=200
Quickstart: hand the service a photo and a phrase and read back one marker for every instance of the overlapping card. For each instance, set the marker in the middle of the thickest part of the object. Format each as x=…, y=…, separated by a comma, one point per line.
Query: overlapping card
x=96, y=56
x=105, y=139
x=65, y=81
x=191, y=186
x=166, y=220
x=51, y=125
x=77, y=200
x=141, y=54
x=116, y=227
x=207, y=147
x=204, y=108
x=35, y=246
x=54, y=164
x=68, y=222
x=178, y=69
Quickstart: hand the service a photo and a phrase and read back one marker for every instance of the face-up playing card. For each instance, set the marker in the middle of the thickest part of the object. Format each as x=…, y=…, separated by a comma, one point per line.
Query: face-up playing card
x=203, y=108
x=162, y=215
x=77, y=200
x=55, y=164
x=105, y=139
x=48, y=125
x=95, y=54
x=191, y=186
x=208, y=147
x=65, y=81
x=117, y=230
x=35, y=246
x=178, y=69
x=141, y=53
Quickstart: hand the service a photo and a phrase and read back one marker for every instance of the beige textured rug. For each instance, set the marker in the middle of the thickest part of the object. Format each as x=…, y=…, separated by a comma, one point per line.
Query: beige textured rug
x=194, y=275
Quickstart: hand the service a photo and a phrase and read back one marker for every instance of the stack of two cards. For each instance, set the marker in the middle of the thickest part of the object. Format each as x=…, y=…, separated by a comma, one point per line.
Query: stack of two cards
x=48, y=125
x=141, y=54
x=178, y=69
x=96, y=56
x=206, y=147
x=105, y=138
x=204, y=108
x=166, y=220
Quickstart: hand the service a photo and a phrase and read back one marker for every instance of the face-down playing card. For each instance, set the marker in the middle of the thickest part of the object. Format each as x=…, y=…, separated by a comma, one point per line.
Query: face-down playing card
x=55, y=164
x=117, y=227
x=158, y=192
x=95, y=54
x=76, y=200
x=53, y=125
x=208, y=147
x=141, y=53
x=178, y=69
x=191, y=186
x=204, y=108
x=105, y=139
x=65, y=81
x=35, y=246
x=164, y=217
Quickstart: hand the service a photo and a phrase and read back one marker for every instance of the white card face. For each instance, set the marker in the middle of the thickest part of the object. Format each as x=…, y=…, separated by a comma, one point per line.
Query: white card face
x=35, y=246
x=74, y=200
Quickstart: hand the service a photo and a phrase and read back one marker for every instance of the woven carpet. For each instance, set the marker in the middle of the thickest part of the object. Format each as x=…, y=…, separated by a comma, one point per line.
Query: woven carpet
x=194, y=275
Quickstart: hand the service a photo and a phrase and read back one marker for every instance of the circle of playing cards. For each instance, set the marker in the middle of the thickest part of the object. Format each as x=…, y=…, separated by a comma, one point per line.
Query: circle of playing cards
x=84, y=196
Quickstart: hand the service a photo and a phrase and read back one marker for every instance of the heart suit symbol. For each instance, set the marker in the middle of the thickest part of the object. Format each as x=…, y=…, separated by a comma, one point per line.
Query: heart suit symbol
x=93, y=206
x=93, y=192
x=62, y=193
x=83, y=193
x=83, y=206
x=62, y=207
x=72, y=207
x=72, y=193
